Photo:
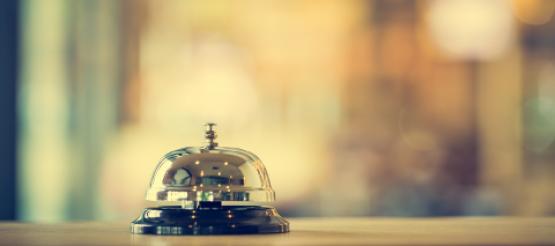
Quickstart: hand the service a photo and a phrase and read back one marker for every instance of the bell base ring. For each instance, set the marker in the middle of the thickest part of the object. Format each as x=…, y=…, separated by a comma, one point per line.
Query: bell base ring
x=209, y=220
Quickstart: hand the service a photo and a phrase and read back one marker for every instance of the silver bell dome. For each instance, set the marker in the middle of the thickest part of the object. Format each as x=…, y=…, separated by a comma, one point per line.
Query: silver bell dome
x=210, y=173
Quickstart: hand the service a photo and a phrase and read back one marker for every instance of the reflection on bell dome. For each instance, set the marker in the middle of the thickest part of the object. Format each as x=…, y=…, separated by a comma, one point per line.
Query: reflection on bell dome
x=217, y=174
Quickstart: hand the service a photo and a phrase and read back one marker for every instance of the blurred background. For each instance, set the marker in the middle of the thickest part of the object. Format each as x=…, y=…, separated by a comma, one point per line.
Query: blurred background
x=357, y=108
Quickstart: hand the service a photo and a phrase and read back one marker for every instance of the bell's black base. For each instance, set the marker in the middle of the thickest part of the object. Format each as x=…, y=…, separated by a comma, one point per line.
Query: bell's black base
x=174, y=220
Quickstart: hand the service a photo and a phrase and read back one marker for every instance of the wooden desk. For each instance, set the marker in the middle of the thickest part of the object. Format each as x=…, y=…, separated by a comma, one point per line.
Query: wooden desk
x=321, y=231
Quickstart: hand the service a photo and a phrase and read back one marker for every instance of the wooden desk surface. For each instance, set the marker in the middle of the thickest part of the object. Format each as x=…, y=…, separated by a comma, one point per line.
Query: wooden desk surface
x=317, y=231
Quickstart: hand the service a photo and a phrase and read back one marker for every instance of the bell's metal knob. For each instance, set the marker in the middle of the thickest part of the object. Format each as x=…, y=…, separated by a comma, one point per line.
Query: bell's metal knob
x=210, y=135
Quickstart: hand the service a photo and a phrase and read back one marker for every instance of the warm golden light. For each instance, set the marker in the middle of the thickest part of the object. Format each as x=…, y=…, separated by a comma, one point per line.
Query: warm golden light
x=356, y=108
x=472, y=29
x=534, y=12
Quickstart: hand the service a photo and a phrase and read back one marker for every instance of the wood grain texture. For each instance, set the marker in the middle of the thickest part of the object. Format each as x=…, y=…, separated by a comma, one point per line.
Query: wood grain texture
x=317, y=231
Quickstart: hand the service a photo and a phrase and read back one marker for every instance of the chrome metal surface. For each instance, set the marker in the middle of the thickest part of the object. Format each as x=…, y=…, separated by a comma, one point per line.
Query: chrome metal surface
x=172, y=220
x=210, y=135
x=210, y=173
